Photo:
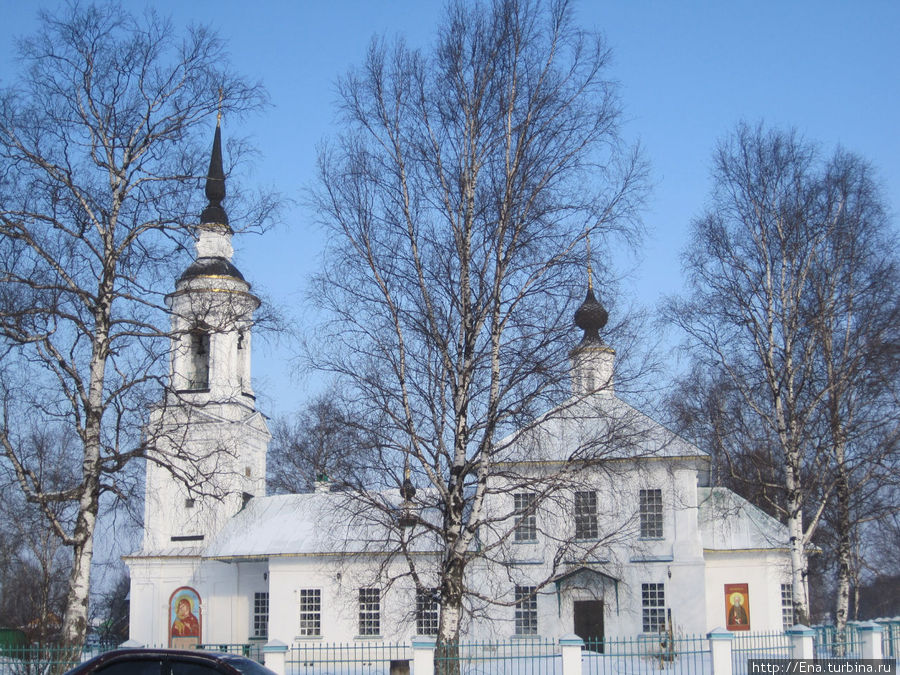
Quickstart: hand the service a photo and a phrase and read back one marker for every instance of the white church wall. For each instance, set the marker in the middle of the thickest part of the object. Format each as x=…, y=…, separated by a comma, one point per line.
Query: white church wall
x=762, y=571
x=153, y=580
x=230, y=460
x=618, y=486
x=225, y=591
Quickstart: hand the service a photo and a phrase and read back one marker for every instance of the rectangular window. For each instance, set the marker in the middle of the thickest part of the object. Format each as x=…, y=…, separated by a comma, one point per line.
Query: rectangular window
x=653, y=608
x=369, y=611
x=526, y=610
x=427, y=611
x=651, y=514
x=310, y=612
x=586, y=515
x=260, y=615
x=526, y=521
x=787, y=606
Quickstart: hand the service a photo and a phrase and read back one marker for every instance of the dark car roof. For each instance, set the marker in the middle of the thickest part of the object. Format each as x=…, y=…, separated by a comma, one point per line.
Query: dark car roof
x=229, y=663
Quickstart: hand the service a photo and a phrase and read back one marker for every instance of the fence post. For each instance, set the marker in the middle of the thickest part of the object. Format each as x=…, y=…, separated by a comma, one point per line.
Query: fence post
x=571, y=646
x=801, y=637
x=870, y=633
x=720, y=650
x=275, y=656
x=423, y=655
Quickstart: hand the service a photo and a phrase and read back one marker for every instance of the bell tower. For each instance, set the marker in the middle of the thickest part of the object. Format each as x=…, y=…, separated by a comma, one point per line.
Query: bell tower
x=206, y=441
x=592, y=359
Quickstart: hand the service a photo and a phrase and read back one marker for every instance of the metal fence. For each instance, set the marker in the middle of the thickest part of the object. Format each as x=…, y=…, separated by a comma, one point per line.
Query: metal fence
x=46, y=659
x=830, y=643
x=641, y=655
x=252, y=650
x=678, y=655
x=761, y=645
x=890, y=638
x=516, y=657
x=362, y=658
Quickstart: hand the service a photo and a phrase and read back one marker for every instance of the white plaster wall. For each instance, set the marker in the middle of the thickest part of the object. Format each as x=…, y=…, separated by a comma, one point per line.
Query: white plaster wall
x=225, y=593
x=762, y=571
x=227, y=448
x=339, y=579
x=694, y=593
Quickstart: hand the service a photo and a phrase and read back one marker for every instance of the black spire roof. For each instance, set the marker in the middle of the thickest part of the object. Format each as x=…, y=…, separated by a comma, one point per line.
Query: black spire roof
x=214, y=213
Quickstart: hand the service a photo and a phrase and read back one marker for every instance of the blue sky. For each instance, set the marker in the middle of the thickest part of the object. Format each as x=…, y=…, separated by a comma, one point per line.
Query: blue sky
x=689, y=71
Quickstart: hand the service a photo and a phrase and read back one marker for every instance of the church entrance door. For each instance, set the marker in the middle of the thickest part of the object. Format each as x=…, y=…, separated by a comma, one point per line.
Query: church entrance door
x=589, y=623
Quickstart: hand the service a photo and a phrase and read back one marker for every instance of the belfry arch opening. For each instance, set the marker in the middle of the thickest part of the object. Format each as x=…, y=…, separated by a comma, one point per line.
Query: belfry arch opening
x=198, y=360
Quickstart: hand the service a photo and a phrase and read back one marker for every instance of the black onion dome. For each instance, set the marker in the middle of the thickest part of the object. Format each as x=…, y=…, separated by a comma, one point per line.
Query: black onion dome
x=407, y=490
x=211, y=266
x=591, y=317
x=214, y=213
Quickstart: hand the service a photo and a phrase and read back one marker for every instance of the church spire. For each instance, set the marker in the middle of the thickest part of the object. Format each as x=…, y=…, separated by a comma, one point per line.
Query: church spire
x=214, y=250
x=214, y=213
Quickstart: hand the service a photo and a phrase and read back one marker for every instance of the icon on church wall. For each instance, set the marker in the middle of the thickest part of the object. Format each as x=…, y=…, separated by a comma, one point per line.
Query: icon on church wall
x=184, y=619
x=737, y=607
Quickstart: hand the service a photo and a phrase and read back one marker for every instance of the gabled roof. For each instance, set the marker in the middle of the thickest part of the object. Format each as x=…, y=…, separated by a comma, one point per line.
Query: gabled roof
x=315, y=523
x=728, y=522
x=284, y=525
x=595, y=427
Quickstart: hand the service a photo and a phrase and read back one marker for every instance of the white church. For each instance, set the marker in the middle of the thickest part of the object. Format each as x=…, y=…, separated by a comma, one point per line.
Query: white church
x=636, y=543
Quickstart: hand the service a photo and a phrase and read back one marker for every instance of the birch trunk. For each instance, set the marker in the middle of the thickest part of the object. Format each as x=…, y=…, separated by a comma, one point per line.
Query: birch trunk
x=794, y=505
x=446, y=655
x=75, y=621
x=844, y=552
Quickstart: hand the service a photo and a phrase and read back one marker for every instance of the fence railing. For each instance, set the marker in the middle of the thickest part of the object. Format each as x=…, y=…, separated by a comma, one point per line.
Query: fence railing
x=890, y=638
x=676, y=655
x=45, y=659
x=518, y=657
x=761, y=645
x=718, y=652
x=832, y=643
x=252, y=650
x=371, y=658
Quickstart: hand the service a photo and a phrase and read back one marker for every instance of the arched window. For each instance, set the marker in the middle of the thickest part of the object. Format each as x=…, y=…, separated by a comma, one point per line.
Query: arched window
x=198, y=376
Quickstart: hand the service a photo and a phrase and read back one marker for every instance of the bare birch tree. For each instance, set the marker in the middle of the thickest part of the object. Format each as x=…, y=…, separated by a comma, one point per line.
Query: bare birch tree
x=457, y=203
x=319, y=443
x=790, y=318
x=855, y=319
x=102, y=141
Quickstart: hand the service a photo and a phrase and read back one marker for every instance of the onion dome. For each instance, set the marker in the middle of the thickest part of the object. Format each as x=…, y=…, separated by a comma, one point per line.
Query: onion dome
x=407, y=490
x=591, y=317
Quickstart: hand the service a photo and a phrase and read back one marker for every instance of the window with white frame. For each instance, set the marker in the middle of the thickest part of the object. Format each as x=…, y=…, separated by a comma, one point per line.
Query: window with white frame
x=260, y=615
x=310, y=612
x=586, y=515
x=427, y=611
x=651, y=510
x=787, y=605
x=653, y=608
x=526, y=521
x=526, y=610
x=369, y=611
